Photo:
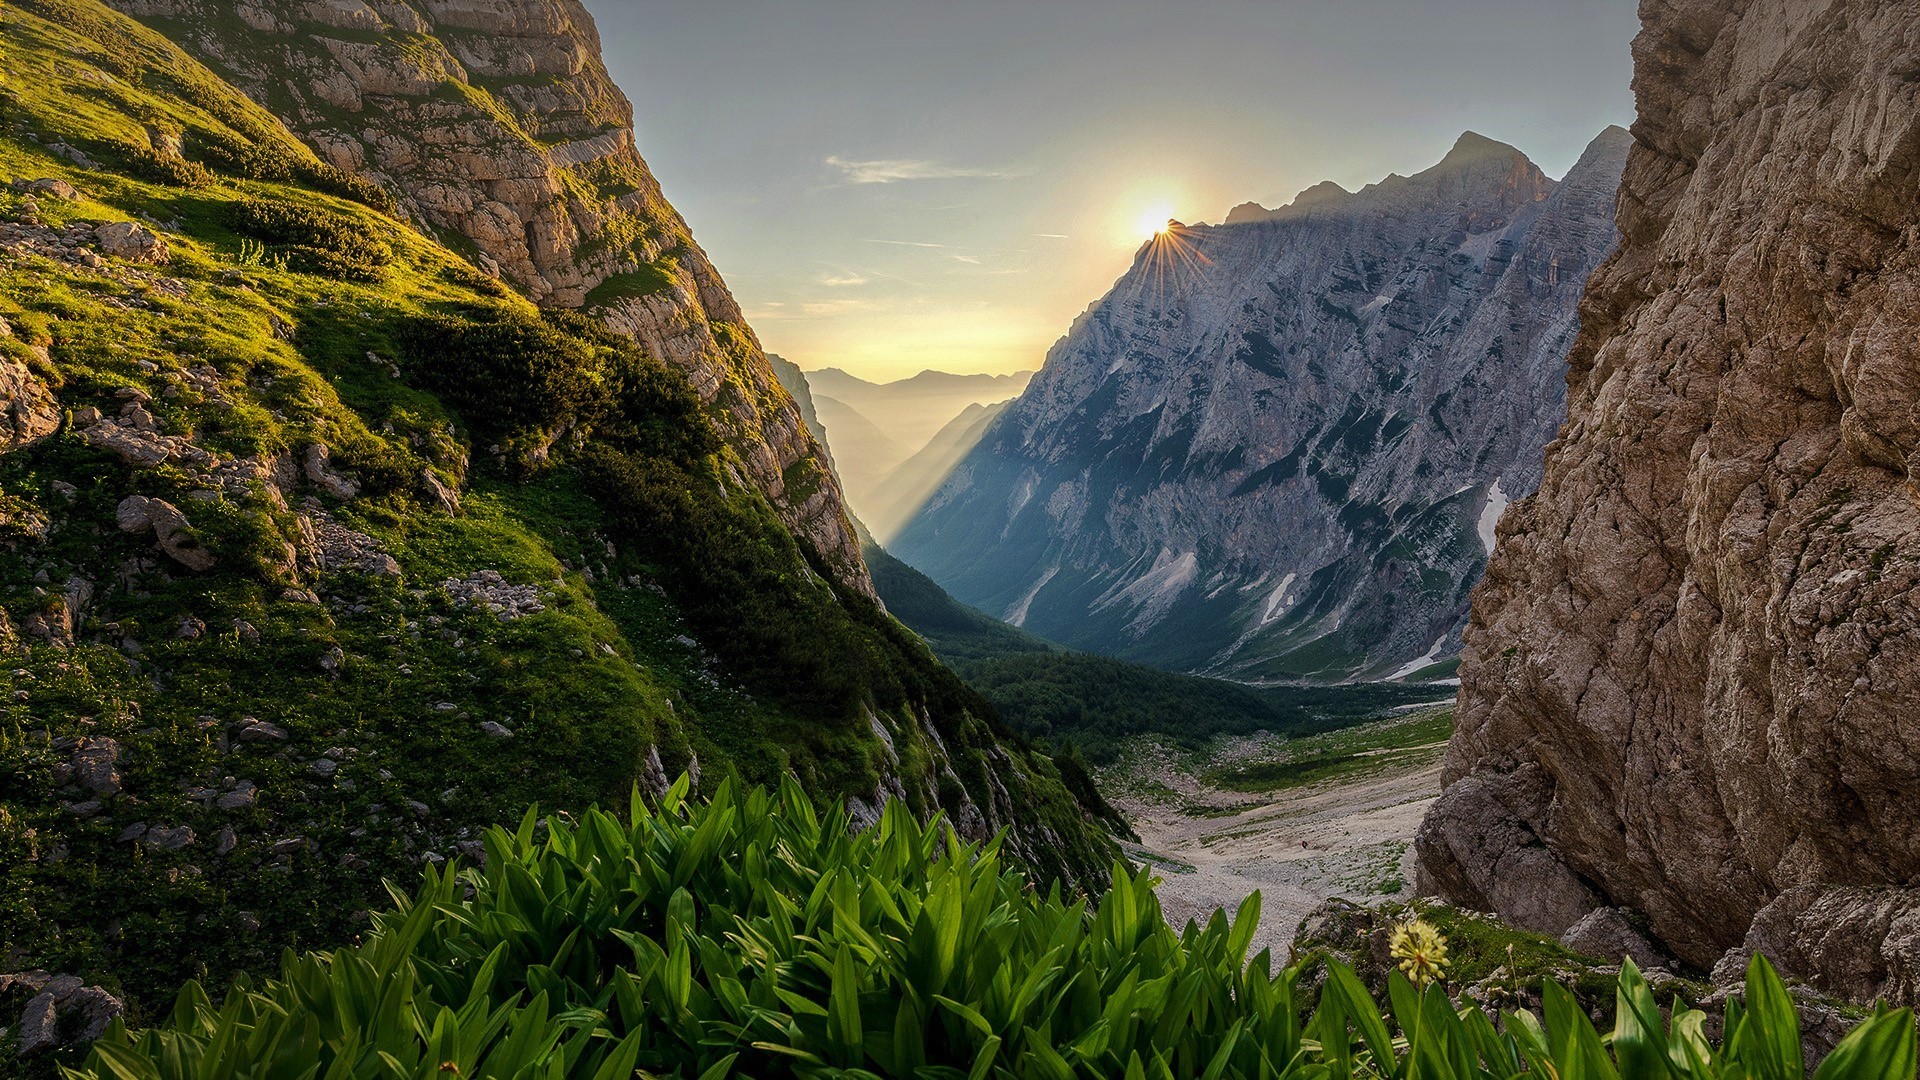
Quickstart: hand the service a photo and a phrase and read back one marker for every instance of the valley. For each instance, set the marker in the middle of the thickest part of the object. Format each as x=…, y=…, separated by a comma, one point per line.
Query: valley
x=1459, y=622
x=1299, y=820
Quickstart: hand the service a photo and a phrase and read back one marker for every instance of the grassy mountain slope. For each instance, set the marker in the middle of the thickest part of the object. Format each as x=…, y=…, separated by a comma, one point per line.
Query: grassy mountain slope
x=319, y=551
x=1046, y=690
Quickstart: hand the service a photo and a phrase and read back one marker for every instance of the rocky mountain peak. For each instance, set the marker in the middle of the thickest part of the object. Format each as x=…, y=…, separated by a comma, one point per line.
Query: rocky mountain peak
x=1472, y=149
x=1325, y=193
x=1277, y=448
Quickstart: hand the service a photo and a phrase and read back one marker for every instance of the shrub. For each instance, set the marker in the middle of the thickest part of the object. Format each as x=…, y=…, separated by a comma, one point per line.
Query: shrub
x=266, y=158
x=751, y=937
x=324, y=177
x=150, y=164
x=235, y=156
x=312, y=240
x=468, y=277
x=526, y=379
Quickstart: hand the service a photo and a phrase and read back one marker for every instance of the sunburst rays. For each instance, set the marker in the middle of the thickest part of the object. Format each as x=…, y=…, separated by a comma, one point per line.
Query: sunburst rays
x=1173, y=260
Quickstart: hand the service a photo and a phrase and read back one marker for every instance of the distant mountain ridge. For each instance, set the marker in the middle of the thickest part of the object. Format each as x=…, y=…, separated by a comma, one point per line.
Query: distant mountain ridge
x=907, y=488
x=884, y=435
x=1277, y=448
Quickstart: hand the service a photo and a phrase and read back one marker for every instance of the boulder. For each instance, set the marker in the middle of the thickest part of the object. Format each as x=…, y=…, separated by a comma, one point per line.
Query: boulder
x=131, y=241
x=259, y=731
x=1607, y=934
x=96, y=764
x=317, y=469
x=63, y=1012
x=173, y=534
x=49, y=187
x=165, y=838
x=438, y=493
x=243, y=795
x=28, y=412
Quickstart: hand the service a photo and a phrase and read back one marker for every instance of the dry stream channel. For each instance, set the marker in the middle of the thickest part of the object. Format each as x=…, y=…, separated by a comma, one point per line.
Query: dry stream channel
x=1301, y=820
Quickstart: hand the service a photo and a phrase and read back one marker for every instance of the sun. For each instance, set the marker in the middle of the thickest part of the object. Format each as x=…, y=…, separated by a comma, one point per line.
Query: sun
x=1153, y=220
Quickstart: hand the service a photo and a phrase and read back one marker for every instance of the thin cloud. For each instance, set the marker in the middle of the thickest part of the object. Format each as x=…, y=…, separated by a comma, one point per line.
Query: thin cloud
x=946, y=247
x=895, y=170
x=842, y=281
x=1052, y=236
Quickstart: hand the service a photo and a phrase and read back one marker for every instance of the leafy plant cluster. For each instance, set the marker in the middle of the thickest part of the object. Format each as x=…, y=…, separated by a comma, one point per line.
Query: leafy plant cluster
x=150, y=164
x=525, y=379
x=311, y=239
x=270, y=159
x=749, y=936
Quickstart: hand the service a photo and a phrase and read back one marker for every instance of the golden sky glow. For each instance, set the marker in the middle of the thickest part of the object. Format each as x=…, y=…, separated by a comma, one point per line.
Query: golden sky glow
x=1152, y=221
x=894, y=185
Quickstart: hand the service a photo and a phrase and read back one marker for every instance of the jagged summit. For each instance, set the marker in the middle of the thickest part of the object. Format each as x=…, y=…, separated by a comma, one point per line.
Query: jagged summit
x=1320, y=194
x=1279, y=452
x=1325, y=193
x=1614, y=139
x=1473, y=148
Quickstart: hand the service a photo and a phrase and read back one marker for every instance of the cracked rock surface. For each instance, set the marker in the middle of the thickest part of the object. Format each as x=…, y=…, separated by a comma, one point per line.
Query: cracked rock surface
x=1689, y=683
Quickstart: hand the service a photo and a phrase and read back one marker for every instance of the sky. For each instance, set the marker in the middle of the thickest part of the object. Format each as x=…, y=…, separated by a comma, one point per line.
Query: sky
x=894, y=185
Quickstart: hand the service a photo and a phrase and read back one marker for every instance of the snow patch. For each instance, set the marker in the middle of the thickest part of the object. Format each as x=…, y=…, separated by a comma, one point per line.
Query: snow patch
x=1490, y=516
x=1276, y=599
x=1154, y=592
x=1411, y=666
x=1017, y=614
x=1018, y=497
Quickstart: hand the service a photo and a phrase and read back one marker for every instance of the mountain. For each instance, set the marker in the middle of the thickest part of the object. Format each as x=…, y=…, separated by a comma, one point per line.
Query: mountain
x=880, y=426
x=863, y=453
x=902, y=492
x=794, y=381
x=1276, y=449
x=325, y=548
x=909, y=411
x=1689, y=685
x=1089, y=702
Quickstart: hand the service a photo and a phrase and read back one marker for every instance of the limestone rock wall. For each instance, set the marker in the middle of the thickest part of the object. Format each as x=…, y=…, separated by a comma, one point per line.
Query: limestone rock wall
x=495, y=124
x=1692, y=675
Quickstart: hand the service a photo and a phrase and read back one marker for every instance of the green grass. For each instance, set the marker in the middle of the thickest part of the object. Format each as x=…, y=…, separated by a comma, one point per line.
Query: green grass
x=1369, y=748
x=650, y=280
x=750, y=936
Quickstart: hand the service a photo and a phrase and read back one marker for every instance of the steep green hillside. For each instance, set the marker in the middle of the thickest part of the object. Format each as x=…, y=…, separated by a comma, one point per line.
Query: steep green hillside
x=320, y=550
x=1046, y=690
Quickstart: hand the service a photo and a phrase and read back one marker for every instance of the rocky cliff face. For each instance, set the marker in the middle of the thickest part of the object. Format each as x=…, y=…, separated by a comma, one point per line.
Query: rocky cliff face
x=1277, y=447
x=277, y=622
x=1689, y=684
x=495, y=124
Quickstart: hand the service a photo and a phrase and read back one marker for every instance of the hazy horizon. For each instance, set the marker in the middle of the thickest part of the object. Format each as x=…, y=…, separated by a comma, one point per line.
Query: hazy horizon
x=890, y=187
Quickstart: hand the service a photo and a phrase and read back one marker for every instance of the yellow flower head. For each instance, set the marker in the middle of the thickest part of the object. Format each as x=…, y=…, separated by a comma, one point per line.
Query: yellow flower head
x=1421, y=950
